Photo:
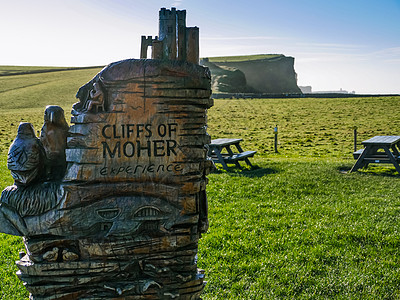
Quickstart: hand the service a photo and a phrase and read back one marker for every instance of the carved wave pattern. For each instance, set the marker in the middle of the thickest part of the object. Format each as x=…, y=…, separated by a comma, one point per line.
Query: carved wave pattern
x=109, y=214
x=147, y=212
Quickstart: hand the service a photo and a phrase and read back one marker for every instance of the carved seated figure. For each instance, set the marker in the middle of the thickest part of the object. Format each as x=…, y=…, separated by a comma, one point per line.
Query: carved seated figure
x=96, y=98
x=91, y=97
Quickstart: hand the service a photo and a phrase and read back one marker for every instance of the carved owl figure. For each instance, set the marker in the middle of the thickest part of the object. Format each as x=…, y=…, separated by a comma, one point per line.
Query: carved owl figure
x=26, y=156
x=54, y=140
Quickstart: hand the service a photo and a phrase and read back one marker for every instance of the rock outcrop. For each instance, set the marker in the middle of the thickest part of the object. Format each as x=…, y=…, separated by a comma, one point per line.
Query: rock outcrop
x=272, y=74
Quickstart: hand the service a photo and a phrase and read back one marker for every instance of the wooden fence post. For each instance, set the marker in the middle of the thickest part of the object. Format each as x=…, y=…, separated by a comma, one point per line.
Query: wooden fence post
x=355, y=138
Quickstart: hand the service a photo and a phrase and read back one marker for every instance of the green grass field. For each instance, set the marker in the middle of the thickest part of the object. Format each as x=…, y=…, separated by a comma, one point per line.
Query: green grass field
x=297, y=226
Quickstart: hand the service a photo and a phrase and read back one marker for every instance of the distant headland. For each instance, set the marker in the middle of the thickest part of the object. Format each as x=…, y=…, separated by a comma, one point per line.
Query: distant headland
x=264, y=73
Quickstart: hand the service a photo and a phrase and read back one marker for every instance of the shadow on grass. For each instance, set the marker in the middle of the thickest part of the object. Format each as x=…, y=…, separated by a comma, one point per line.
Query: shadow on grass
x=372, y=170
x=344, y=169
x=254, y=172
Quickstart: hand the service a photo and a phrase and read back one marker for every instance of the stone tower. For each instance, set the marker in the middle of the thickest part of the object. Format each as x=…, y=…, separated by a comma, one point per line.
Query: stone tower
x=175, y=41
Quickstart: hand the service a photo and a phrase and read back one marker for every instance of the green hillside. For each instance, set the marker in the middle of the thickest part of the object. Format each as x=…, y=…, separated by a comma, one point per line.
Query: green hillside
x=298, y=226
x=243, y=57
x=22, y=70
x=24, y=97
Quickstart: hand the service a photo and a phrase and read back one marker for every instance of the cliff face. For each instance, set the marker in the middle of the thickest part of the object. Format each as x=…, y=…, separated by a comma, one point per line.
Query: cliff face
x=265, y=75
x=227, y=79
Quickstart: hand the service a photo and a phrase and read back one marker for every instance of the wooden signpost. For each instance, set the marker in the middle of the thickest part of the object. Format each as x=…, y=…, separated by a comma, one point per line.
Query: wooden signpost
x=124, y=220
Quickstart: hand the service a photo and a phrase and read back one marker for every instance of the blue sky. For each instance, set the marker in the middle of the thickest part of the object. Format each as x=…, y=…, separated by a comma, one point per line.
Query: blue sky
x=348, y=44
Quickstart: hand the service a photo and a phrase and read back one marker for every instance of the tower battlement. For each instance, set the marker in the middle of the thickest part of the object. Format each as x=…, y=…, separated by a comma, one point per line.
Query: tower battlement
x=181, y=14
x=166, y=13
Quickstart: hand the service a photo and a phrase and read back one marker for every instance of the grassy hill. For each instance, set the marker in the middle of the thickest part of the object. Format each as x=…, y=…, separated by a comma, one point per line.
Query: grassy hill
x=12, y=70
x=243, y=57
x=297, y=226
x=22, y=70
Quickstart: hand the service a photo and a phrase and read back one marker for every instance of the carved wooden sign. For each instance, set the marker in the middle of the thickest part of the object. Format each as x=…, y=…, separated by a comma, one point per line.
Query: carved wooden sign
x=152, y=126
x=114, y=209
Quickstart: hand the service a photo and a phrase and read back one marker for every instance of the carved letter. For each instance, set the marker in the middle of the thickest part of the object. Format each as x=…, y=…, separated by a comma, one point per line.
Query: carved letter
x=171, y=144
x=172, y=128
x=129, y=130
x=132, y=149
x=140, y=148
x=148, y=129
x=156, y=148
x=103, y=131
x=162, y=130
x=117, y=148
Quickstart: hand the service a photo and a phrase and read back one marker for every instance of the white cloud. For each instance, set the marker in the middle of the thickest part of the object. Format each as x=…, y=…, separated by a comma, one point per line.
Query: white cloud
x=330, y=46
x=241, y=38
x=388, y=54
x=176, y=3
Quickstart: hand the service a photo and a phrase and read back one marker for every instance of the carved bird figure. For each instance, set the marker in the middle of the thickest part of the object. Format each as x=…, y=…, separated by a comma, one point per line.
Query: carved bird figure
x=26, y=156
x=51, y=255
x=54, y=139
x=69, y=255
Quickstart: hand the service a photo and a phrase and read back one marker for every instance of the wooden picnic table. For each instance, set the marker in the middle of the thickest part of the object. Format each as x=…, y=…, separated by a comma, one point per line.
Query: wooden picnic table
x=217, y=147
x=371, y=154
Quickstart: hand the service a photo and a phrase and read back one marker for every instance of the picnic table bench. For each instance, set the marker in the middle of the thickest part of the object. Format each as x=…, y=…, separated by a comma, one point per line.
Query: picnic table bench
x=217, y=147
x=371, y=154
